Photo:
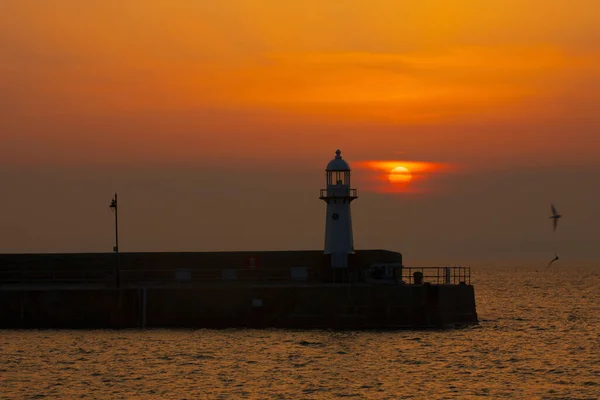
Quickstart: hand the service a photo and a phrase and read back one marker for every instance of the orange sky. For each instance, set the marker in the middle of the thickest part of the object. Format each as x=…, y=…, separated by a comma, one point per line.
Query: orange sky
x=165, y=80
x=277, y=86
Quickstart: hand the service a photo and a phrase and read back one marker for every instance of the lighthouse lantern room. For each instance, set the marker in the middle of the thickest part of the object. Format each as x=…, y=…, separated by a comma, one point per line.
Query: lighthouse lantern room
x=338, y=195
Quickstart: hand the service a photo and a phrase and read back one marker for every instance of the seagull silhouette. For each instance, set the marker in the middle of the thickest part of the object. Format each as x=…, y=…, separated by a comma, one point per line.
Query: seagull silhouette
x=555, y=216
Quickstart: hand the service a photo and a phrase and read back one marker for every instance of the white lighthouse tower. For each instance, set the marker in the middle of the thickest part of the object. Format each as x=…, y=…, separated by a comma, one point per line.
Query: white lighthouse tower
x=338, y=226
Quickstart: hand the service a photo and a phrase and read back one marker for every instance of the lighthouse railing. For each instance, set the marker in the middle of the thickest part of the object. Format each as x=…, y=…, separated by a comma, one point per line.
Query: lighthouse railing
x=338, y=192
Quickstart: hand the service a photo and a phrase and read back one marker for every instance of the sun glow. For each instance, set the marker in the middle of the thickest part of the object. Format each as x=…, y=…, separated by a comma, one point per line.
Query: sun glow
x=399, y=176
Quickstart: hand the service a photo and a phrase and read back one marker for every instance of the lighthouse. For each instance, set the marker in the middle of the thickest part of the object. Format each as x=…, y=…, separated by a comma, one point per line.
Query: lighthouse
x=338, y=225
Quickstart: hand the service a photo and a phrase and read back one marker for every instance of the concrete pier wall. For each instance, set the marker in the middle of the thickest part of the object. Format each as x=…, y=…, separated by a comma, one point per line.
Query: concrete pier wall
x=251, y=265
x=233, y=305
x=68, y=308
x=286, y=289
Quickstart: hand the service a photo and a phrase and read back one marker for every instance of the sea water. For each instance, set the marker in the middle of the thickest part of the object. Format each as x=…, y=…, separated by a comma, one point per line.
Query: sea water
x=538, y=338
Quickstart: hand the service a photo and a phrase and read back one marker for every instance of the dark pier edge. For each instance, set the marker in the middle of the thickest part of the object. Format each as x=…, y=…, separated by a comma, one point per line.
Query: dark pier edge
x=292, y=290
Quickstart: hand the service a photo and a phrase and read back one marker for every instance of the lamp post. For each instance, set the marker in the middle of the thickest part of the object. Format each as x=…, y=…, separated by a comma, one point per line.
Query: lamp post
x=114, y=208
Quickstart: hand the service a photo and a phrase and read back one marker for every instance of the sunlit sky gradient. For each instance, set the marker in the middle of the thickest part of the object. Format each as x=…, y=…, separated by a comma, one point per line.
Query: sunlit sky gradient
x=236, y=99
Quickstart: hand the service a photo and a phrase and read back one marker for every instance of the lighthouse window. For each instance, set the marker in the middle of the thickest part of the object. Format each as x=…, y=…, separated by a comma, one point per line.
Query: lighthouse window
x=338, y=178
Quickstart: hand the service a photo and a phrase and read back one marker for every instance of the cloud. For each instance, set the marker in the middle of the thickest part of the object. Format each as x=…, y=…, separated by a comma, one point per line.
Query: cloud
x=457, y=83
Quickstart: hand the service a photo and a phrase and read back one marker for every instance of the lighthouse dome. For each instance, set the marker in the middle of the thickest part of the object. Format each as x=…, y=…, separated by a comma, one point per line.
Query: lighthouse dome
x=338, y=164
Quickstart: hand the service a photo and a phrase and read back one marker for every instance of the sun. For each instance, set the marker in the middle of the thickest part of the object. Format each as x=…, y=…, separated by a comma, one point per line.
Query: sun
x=400, y=174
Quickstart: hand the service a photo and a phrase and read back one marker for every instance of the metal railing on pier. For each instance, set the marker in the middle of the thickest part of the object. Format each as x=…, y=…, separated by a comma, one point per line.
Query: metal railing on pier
x=453, y=275
x=56, y=275
x=30, y=276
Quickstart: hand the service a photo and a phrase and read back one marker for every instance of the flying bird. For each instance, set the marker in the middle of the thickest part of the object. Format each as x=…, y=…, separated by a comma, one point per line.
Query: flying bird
x=555, y=216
